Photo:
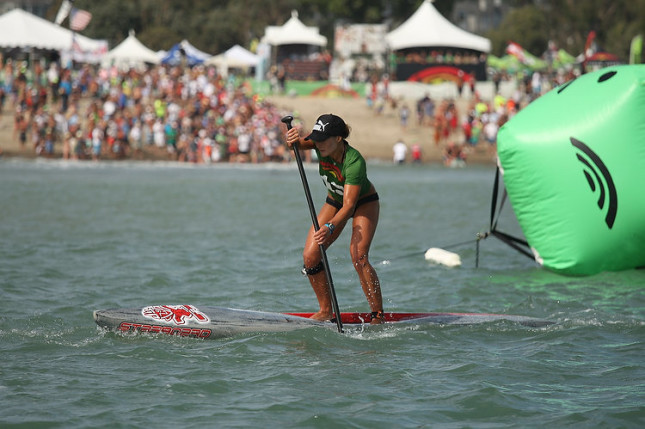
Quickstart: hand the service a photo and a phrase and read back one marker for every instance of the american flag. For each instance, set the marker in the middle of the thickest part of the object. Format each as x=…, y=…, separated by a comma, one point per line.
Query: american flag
x=79, y=19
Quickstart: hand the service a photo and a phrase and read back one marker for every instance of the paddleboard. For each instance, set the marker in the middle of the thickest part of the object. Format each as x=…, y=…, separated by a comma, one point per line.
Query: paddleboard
x=208, y=322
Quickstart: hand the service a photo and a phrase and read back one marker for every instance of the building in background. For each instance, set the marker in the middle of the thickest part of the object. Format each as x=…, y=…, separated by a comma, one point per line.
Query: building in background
x=37, y=7
x=479, y=16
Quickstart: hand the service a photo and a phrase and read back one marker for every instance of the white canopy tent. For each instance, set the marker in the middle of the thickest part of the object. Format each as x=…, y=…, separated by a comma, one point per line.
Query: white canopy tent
x=21, y=29
x=131, y=53
x=427, y=27
x=236, y=57
x=293, y=32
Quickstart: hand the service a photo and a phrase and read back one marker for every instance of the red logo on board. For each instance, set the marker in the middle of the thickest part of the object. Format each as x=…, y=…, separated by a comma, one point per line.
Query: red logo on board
x=176, y=314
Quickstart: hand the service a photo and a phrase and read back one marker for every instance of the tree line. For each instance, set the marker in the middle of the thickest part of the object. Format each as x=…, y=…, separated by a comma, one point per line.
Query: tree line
x=215, y=25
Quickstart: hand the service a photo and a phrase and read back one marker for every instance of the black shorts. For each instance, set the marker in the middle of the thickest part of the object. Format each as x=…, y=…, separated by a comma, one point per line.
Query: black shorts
x=364, y=200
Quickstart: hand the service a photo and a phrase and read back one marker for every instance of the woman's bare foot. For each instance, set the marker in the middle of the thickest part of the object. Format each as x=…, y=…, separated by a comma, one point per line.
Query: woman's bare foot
x=321, y=316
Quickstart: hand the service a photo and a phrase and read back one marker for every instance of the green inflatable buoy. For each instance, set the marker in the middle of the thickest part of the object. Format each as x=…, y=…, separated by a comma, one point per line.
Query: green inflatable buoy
x=573, y=163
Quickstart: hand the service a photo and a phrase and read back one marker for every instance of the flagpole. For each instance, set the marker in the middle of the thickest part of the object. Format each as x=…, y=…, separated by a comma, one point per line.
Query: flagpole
x=71, y=46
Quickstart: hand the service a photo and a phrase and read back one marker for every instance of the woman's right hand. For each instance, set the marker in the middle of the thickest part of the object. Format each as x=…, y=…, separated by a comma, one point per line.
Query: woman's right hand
x=292, y=136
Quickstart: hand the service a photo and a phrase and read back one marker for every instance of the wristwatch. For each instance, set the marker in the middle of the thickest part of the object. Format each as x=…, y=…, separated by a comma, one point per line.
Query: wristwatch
x=330, y=227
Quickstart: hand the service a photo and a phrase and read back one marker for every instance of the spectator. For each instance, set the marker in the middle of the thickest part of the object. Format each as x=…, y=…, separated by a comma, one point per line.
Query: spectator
x=404, y=114
x=400, y=152
x=416, y=153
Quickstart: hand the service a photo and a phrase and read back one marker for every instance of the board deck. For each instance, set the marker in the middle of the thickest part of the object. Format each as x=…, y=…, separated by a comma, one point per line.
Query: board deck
x=209, y=322
x=436, y=318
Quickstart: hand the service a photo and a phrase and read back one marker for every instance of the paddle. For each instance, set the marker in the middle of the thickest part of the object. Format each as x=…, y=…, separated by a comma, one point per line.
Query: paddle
x=314, y=219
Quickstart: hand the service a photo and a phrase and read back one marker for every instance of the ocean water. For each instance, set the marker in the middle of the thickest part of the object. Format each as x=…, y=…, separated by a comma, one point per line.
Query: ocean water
x=75, y=237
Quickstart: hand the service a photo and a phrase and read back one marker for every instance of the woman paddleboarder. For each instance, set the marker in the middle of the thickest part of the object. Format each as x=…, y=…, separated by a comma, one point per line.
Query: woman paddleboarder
x=349, y=194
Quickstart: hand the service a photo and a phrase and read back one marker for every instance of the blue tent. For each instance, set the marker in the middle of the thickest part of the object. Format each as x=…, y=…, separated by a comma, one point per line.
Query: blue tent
x=184, y=50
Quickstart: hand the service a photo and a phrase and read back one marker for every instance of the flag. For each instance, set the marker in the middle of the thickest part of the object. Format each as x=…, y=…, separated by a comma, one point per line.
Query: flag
x=527, y=59
x=79, y=19
x=636, y=50
x=590, y=45
x=65, y=7
x=518, y=52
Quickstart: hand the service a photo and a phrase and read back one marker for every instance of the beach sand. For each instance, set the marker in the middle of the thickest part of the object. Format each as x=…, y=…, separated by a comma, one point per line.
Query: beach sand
x=374, y=134
x=371, y=133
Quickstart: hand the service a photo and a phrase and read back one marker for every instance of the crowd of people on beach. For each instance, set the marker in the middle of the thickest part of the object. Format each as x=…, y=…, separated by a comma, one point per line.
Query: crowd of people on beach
x=196, y=115
x=483, y=119
x=458, y=132
x=439, y=56
x=183, y=114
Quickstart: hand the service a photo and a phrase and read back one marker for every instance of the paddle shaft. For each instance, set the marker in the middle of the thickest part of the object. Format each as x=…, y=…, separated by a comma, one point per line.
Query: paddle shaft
x=314, y=219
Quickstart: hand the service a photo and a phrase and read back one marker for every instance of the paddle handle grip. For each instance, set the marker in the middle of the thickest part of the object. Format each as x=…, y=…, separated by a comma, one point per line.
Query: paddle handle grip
x=287, y=121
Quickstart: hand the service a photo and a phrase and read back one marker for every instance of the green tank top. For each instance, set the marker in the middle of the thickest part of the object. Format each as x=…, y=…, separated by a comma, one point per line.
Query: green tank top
x=352, y=171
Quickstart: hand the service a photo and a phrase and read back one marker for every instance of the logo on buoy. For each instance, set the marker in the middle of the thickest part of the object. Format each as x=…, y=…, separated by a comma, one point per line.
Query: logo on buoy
x=598, y=177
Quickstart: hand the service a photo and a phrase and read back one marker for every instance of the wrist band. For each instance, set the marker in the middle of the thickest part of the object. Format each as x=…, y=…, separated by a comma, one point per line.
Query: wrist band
x=330, y=227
